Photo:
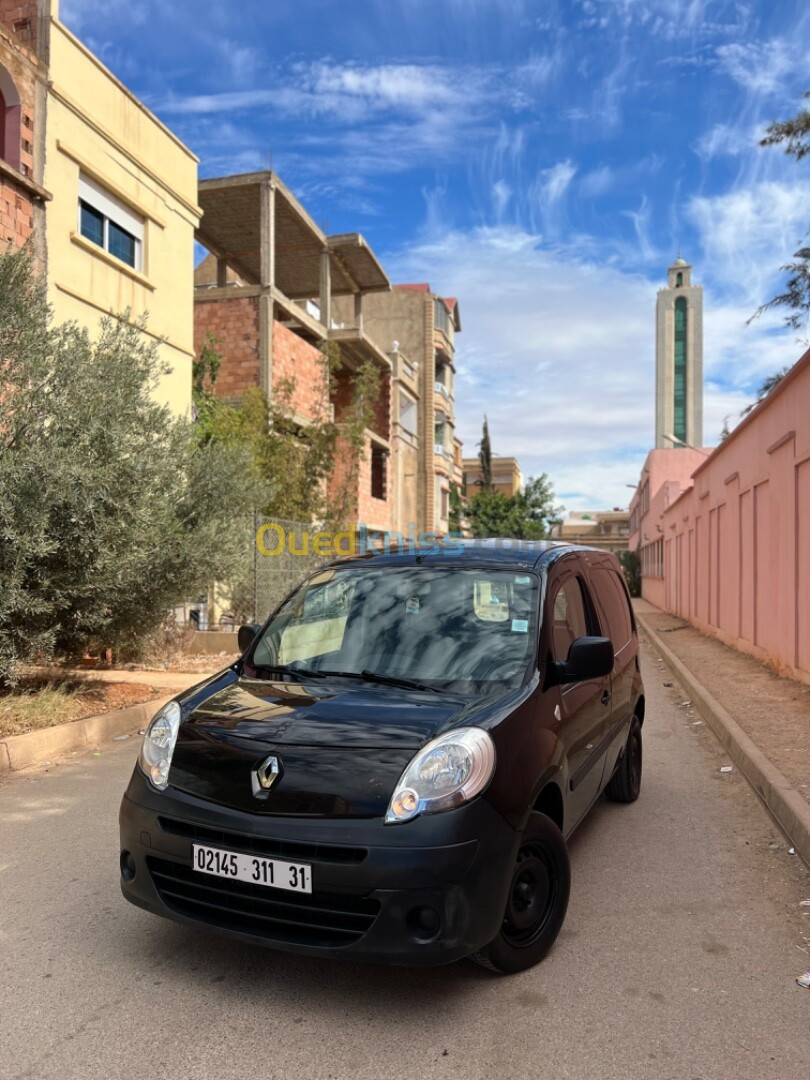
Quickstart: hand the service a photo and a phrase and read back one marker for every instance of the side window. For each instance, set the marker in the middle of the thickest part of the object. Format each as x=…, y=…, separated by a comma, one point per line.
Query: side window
x=612, y=598
x=569, y=620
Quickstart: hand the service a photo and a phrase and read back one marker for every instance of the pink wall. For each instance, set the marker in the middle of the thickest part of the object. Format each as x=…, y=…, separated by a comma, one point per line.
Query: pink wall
x=737, y=543
x=666, y=473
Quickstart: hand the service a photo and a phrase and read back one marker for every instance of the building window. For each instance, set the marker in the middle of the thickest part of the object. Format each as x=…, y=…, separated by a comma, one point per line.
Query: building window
x=441, y=317
x=379, y=468
x=678, y=280
x=440, y=434
x=106, y=221
x=679, y=420
x=407, y=413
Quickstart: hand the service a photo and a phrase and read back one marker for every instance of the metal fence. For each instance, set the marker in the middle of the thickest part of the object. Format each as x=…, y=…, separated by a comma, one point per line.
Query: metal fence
x=282, y=556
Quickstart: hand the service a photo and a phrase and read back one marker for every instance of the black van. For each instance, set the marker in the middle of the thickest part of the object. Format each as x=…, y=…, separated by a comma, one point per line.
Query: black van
x=390, y=770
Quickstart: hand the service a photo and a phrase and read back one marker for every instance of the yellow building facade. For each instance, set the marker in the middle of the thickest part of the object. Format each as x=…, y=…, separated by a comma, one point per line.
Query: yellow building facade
x=120, y=227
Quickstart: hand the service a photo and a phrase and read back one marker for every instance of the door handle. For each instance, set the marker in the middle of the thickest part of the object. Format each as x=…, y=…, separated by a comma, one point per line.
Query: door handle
x=605, y=698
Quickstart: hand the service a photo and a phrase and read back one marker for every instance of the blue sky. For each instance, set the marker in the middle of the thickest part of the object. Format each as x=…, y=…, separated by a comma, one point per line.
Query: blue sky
x=541, y=161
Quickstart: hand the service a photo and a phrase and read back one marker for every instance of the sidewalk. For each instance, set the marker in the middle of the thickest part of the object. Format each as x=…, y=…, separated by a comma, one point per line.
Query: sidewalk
x=761, y=718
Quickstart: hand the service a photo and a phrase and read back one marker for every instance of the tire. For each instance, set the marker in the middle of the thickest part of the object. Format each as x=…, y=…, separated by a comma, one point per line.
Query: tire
x=625, y=784
x=537, y=902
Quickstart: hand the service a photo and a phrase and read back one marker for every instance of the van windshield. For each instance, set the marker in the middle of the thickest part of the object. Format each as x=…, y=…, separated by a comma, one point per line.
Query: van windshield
x=450, y=628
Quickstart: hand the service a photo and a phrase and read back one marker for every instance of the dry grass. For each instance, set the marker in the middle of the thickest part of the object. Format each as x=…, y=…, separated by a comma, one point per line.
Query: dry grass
x=44, y=699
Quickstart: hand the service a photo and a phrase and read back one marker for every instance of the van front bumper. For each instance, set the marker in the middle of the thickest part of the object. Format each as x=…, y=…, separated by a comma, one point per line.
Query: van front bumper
x=430, y=891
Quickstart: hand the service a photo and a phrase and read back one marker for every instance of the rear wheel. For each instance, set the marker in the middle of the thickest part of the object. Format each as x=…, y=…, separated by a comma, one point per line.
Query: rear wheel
x=536, y=903
x=625, y=784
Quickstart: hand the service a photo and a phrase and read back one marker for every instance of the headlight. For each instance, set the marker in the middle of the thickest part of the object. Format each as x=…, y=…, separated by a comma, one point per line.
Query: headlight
x=157, y=747
x=447, y=772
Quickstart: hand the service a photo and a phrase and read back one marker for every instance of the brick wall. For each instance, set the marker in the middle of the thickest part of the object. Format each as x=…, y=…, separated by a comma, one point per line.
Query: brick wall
x=371, y=511
x=16, y=205
x=21, y=19
x=16, y=214
x=235, y=324
x=294, y=358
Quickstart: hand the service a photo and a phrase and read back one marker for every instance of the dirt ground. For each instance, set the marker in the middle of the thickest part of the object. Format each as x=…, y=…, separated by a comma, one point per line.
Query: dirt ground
x=43, y=700
x=773, y=711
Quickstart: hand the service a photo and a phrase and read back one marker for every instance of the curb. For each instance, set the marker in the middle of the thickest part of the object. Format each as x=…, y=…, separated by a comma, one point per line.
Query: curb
x=787, y=807
x=36, y=747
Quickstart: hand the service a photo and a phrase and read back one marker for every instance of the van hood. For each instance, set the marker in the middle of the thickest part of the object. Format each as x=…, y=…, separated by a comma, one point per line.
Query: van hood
x=342, y=745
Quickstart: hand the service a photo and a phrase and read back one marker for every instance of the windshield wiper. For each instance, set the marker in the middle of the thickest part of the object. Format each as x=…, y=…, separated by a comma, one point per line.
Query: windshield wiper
x=388, y=680
x=368, y=676
x=283, y=669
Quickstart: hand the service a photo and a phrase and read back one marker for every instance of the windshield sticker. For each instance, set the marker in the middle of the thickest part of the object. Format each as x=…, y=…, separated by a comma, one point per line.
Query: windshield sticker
x=523, y=579
x=520, y=626
x=412, y=605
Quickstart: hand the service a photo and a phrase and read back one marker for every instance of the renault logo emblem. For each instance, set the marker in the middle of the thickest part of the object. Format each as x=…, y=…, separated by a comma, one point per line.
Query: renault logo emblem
x=265, y=775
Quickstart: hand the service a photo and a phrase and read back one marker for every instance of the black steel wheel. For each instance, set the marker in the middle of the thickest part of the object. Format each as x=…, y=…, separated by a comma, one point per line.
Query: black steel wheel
x=625, y=784
x=536, y=902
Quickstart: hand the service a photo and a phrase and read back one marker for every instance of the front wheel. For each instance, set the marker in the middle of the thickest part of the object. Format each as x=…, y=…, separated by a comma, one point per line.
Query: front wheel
x=536, y=903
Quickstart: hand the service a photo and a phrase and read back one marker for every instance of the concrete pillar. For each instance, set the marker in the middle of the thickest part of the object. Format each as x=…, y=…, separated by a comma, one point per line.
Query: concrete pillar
x=267, y=231
x=267, y=269
x=326, y=289
x=266, y=343
x=358, y=311
x=222, y=273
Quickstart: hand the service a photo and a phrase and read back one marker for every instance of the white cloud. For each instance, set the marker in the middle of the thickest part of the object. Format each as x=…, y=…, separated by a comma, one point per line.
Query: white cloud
x=759, y=67
x=387, y=86
x=727, y=140
x=551, y=188
x=746, y=234
x=641, y=224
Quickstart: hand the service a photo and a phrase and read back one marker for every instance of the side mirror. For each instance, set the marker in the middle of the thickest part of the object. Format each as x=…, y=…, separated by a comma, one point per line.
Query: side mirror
x=246, y=635
x=588, y=658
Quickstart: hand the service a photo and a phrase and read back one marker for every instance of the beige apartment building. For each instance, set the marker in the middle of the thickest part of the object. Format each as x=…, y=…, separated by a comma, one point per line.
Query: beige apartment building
x=419, y=326
x=507, y=479
x=605, y=529
x=108, y=192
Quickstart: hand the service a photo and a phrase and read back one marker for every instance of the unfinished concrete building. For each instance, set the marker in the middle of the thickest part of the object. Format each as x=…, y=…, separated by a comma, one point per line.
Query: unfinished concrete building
x=267, y=294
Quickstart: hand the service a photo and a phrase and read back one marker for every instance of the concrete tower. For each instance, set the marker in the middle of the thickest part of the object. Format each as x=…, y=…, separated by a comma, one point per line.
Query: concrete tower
x=679, y=360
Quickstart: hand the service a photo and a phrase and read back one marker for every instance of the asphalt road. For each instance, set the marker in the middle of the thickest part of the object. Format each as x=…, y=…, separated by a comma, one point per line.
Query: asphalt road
x=677, y=959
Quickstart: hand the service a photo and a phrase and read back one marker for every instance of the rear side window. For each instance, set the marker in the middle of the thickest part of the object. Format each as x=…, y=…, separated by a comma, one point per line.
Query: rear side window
x=612, y=599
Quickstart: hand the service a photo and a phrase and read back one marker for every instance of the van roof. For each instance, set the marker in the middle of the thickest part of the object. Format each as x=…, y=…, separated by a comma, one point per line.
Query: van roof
x=508, y=553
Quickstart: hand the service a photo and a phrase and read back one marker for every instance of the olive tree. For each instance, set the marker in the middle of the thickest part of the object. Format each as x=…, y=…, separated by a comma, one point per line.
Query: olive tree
x=112, y=510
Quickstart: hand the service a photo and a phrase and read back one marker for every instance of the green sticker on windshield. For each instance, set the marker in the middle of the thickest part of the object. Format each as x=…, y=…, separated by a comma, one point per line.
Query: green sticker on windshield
x=523, y=579
x=520, y=626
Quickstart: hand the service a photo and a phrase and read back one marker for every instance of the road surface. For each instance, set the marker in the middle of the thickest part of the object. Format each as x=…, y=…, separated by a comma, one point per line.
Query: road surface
x=677, y=960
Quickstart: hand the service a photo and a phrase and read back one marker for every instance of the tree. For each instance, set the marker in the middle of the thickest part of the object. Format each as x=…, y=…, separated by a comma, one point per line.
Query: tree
x=631, y=565
x=456, y=510
x=524, y=516
x=112, y=509
x=795, y=134
x=485, y=457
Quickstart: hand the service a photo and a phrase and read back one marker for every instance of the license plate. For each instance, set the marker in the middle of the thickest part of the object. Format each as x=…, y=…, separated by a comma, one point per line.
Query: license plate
x=275, y=874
